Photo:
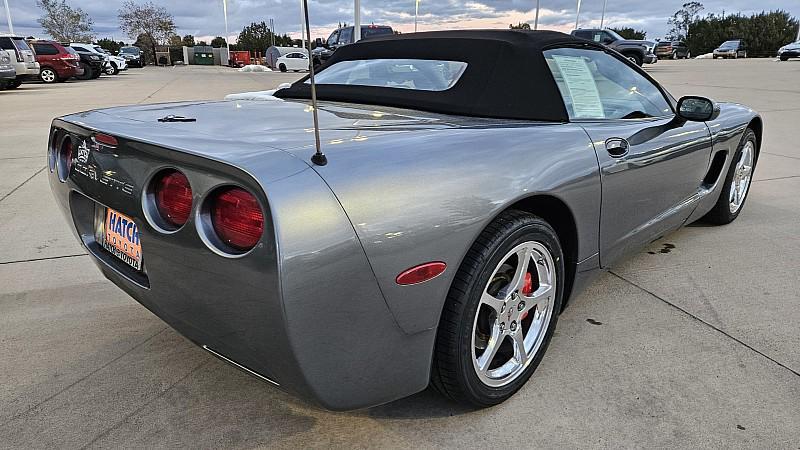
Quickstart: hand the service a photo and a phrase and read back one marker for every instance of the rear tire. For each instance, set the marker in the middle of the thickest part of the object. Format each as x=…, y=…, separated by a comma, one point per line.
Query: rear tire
x=636, y=59
x=784, y=58
x=490, y=287
x=87, y=72
x=731, y=200
x=282, y=67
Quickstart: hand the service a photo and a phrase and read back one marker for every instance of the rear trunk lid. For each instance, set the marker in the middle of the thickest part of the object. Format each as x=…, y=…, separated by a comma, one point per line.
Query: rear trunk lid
x=240, y=132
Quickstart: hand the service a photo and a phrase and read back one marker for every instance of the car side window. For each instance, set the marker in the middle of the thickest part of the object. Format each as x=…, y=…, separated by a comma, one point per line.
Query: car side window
x=596, y=85
x=346, y=36
x=45, y=49
x=606, y=38
x=5, y=44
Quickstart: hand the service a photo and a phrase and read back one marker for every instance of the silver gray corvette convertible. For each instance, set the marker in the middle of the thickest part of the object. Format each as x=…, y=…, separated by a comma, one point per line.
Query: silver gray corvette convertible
x=468, y=184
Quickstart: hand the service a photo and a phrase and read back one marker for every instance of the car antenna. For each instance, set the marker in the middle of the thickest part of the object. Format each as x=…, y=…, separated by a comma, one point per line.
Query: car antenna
x=318, y=158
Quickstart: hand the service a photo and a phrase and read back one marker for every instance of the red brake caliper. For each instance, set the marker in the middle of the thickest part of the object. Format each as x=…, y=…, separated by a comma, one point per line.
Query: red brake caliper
x=527, y=289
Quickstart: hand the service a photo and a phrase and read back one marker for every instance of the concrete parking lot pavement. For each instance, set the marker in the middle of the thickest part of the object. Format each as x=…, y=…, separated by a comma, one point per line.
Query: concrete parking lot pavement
x=693, y=342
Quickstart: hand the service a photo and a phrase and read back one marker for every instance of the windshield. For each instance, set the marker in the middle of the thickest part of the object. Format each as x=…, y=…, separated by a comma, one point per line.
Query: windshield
x=131, y=50
x=729, y=44
x=615, y=34
x=70, y=50
x=665, y=44
x=414, y=74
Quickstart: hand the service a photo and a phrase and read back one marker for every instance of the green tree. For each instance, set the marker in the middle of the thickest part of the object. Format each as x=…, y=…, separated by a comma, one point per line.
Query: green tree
x=202, y=44
x=257, y=37
x=110, y=45
x=188, y=40
x=764, y=33
x=218, y=42
x=148, y=19
x=680, y=21
x=175, y=41
x=520, y=26
x=63, y=23
x=630, y=33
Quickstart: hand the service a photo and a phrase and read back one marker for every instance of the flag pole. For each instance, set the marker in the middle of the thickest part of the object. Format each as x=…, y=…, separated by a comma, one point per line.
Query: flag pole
x=416, y=13
x=536, y=20
x=8, y=18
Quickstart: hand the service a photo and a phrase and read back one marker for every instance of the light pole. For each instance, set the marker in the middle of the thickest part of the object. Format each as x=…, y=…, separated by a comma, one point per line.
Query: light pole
x=8, y=17
x=536, y=20
x=416, y=13
x=603, y=16
x=302, y=26
x=357, y=20
x=227, y=36
x=577, y=14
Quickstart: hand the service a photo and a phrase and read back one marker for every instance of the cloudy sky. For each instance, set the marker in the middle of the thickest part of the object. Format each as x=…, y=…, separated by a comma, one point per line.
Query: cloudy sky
x=204, y=17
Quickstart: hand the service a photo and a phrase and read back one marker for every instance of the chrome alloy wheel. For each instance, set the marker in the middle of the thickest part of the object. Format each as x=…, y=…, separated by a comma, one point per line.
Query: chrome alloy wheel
x=742, y=175
x=514, y=313
x=48, y=75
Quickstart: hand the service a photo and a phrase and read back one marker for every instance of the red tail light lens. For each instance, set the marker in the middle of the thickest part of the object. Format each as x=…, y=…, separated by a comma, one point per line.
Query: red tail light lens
x=173, y=196
x=237, y=218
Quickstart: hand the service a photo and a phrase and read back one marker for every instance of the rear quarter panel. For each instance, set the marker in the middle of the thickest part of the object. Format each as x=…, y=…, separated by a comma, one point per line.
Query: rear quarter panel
x=425, y=196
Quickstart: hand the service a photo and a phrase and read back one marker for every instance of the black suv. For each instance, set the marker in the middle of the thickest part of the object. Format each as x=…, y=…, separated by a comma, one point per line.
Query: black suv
x=344, y=36
x=636, y=51
x=91, y=63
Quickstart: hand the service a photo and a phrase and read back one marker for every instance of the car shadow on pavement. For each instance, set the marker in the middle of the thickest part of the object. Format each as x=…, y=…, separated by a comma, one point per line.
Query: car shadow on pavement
x=428, y=404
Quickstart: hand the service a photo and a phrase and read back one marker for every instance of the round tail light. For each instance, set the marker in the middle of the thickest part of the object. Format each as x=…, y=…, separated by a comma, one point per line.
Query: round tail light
x=173, y=196
x=237, y=218
x=65, y=153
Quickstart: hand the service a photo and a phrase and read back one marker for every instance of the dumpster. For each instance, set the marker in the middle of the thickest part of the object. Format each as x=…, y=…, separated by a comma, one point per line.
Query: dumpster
x=203, y=55
x=240, y=58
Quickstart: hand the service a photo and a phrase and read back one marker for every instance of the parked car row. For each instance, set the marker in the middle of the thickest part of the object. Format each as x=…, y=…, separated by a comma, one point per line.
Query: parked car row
x=54, y=62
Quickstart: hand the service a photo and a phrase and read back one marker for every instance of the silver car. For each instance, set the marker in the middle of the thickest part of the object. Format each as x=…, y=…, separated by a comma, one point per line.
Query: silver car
x=22, y=58
x=7, y=72
x=789, y=51
x=466, y=185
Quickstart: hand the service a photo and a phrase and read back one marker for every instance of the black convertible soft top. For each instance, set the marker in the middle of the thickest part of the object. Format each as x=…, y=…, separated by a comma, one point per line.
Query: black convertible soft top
x=506, y=76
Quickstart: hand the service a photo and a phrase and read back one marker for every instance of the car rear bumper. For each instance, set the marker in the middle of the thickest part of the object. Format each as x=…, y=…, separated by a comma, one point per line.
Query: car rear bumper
x=282, y=311
x=68, y=71
x=8, y=74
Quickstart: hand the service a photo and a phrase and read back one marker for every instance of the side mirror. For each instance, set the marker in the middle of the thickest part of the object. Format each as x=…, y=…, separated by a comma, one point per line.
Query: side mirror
x=697, y=109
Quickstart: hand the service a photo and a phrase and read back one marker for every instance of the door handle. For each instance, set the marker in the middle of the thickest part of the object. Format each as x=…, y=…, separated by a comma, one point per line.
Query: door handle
x=617, y=147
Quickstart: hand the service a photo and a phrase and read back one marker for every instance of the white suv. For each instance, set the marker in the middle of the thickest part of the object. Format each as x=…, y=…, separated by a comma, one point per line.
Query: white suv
x=117, y=62
x=22, y=58
x=110, y=66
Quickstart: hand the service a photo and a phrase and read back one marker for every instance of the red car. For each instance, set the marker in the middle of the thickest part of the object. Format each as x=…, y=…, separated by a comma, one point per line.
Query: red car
x=58, y=63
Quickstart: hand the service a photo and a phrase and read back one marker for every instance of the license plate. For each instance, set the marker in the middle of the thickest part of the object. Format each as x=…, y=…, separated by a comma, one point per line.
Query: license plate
x=121, y=238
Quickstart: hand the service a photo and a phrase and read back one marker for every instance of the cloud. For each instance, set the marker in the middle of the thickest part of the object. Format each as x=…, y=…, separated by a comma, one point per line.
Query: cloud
x=204, y=17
